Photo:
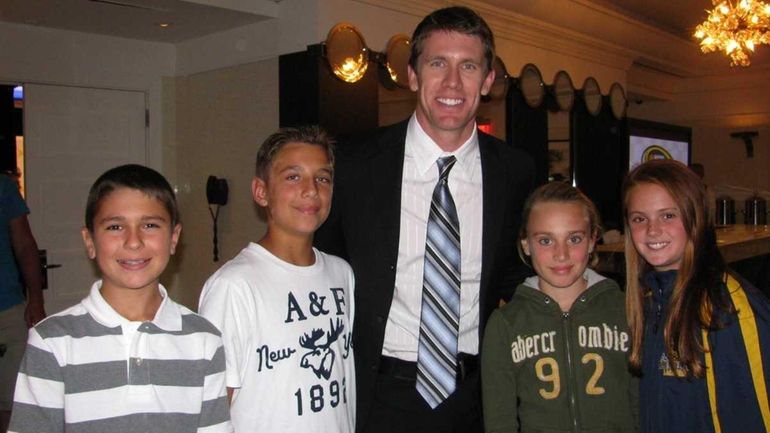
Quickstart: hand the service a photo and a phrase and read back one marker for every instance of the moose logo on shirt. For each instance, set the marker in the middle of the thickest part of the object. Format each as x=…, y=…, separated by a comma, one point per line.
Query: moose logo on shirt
x=317, y=339
x=318, y=345
x=320, y=357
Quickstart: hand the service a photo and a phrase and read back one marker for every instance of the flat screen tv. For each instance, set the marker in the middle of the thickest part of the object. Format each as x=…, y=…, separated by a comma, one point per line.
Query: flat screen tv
x=653, y=140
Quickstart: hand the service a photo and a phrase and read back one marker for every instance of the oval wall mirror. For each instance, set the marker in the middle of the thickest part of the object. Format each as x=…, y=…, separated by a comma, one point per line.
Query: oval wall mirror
x=563, y=90
x=346, y=52
x=531, y=85
x=397, y=58
x=592, y=96
x=618, y=101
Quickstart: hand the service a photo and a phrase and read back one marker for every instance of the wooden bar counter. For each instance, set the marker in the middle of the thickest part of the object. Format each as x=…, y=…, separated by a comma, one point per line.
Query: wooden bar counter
x=736, y=242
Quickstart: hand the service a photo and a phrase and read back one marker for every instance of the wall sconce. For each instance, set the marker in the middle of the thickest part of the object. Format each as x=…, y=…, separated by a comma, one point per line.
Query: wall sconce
x=618, y=101
x=396, y=60
x=592, y=96
x=562, y=91
x=346, y=52
x=746, y=136
x=531, y=85
x=348, y=56
x=500, y=86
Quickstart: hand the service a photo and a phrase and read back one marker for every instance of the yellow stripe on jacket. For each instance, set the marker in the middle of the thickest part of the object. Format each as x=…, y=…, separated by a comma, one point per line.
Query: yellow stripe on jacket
x=751, y=342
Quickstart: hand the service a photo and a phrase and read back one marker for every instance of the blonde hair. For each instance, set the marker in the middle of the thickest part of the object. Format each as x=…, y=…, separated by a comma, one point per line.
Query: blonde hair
x=559, y=192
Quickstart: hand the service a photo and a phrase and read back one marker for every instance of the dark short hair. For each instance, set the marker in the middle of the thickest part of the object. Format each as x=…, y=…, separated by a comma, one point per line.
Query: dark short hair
x=133, y=176
x=308, y=134
x=453, y=19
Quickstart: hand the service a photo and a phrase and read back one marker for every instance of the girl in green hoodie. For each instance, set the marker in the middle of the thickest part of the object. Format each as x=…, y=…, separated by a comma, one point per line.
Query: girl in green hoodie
x=554, y=358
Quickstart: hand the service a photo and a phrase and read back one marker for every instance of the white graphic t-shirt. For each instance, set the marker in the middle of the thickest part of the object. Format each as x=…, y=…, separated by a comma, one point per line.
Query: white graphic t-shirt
x=287, y=335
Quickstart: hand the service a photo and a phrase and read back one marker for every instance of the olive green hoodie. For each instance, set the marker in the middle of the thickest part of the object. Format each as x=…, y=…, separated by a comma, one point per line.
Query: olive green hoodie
x=544, y=370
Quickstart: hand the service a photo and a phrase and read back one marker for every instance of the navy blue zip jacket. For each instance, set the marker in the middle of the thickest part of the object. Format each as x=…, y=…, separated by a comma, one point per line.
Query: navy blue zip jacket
x=737, y=376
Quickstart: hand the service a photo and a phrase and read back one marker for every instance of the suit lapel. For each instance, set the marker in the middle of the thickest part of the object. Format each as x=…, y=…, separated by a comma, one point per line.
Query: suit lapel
x=492, y=177
x=386, y=169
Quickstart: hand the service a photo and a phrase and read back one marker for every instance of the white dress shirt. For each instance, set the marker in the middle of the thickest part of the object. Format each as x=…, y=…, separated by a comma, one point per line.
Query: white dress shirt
x=402, y=331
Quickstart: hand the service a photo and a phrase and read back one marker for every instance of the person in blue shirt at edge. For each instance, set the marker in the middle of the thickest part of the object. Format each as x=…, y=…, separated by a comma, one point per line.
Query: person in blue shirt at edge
x=555, y=357
x=21, y=299
x=700, y=334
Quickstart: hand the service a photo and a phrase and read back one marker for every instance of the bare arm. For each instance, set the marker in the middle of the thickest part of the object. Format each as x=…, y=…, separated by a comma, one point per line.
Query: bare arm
x=25, y=251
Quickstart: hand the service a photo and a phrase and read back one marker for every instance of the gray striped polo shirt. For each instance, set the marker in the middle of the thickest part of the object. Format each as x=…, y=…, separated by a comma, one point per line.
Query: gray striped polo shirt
x=88, y=369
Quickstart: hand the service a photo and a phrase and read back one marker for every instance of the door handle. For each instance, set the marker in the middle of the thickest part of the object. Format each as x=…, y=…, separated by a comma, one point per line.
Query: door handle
x=45, y=266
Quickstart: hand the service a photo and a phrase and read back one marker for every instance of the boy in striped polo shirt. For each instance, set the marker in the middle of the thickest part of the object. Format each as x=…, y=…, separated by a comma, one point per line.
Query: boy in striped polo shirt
x=127, y=358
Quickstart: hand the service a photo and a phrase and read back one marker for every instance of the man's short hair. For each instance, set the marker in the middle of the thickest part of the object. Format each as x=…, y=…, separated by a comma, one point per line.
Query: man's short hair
x=309, y=134
x=132, y=176
x=453, y=19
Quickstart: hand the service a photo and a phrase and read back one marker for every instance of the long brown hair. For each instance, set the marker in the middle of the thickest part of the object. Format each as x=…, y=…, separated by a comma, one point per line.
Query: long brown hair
x=698, y=287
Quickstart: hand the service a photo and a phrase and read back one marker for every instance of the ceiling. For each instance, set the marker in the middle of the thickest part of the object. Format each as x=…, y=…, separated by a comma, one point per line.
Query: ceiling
x=676, y=18
x=188, y=19
x=139, y=19
x=135, y=19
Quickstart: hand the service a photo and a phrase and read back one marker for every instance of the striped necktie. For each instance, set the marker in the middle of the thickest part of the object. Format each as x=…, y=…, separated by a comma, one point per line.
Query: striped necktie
x=440, y=317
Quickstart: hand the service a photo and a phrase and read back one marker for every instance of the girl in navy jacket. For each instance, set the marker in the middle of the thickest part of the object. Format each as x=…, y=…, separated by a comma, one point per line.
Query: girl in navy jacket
x=700, y=335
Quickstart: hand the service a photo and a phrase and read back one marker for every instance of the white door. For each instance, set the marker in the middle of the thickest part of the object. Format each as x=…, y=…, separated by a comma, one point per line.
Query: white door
x=71, y=136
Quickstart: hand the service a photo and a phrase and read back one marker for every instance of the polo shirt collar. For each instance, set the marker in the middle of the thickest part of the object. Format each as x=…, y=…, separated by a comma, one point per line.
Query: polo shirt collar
x=168, y=317
x=425, y=151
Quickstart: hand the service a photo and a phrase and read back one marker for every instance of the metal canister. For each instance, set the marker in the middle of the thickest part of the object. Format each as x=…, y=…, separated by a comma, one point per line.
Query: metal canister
x=756, y=210
x=725, y=210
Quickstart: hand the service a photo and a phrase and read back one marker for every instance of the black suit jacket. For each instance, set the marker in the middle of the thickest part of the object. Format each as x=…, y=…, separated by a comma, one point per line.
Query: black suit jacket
x=363, y=228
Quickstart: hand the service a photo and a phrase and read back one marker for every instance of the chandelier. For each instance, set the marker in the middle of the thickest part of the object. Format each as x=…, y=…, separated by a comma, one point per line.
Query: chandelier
x=735, y=29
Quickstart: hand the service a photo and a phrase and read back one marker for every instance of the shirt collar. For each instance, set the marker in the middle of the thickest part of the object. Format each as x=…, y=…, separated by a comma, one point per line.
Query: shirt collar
x=168, y=317
x=591, y=277
x=425, y=151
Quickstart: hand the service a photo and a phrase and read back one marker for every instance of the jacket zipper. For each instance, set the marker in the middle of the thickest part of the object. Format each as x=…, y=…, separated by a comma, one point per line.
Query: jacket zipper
x=571, y=373
x=658, y=311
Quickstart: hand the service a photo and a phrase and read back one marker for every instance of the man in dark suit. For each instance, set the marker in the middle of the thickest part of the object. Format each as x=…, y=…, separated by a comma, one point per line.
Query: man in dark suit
x=383, y=195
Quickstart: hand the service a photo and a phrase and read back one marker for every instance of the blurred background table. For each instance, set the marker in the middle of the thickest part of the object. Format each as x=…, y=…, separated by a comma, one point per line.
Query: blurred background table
x=745, y=247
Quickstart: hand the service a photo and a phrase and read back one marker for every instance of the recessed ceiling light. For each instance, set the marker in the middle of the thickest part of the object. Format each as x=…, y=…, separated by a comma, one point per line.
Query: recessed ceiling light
x=164, y=25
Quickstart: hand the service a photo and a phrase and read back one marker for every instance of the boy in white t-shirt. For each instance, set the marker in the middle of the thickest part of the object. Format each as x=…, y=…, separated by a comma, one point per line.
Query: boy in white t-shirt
x=284, y=308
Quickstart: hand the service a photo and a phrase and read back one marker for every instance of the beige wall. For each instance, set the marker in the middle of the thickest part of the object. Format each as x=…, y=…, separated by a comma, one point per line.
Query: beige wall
x=32, y=54
x=715, y=107
x=200, y=124
x=293, y=29
x=221, y=117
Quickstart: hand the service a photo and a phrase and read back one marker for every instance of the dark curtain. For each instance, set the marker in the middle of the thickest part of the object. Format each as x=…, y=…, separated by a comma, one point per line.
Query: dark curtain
x=309, y=93
x=600, y=158
x=527, y=128
x=7, y=129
